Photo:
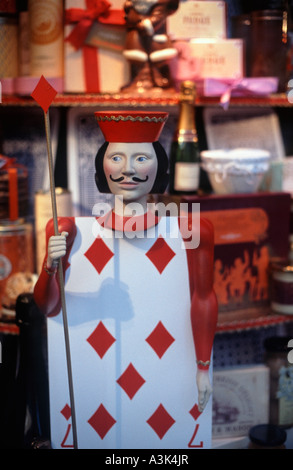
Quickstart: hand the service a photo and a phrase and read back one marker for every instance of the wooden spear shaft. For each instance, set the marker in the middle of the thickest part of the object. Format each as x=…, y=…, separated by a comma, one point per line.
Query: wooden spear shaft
x=61, y=281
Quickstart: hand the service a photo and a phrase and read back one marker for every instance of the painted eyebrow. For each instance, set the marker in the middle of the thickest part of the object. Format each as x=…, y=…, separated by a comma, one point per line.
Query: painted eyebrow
x=113, y=154
x=137, y=154
x=143, y=154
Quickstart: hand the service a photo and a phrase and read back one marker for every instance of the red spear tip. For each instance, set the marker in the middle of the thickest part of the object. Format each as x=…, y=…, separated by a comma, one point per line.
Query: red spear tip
x=44, y=93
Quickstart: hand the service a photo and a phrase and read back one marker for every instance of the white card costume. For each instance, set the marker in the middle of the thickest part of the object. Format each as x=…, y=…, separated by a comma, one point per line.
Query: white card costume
x=132, y=349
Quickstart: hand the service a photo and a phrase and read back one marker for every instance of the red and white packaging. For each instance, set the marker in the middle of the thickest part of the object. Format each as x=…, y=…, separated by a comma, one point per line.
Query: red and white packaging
x=95, y=63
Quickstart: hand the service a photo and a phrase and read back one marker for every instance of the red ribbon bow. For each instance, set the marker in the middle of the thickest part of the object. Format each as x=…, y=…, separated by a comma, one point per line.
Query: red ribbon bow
x=83, y=21
x=95, y=10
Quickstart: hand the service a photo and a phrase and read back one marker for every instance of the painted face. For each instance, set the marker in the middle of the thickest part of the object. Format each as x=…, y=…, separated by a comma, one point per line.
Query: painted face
x=130, y=169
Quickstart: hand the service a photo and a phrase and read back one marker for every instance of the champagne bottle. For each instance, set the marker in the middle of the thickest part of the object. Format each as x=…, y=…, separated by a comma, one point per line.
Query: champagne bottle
x=184, y=156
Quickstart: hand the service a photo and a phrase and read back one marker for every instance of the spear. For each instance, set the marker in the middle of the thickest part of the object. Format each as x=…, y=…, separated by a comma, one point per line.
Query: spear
x=44, y=94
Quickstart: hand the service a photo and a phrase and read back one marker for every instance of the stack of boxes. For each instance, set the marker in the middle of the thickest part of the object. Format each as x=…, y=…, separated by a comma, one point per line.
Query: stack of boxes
x=199, y=29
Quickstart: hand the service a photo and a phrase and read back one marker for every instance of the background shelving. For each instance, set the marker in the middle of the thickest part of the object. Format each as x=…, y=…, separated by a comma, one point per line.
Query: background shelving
x=171, y=99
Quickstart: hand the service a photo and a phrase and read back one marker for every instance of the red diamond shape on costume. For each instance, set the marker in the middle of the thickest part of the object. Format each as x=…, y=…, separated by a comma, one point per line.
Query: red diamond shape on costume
x=160, y=339
x=66, y=412
x=130, y=381
x=101, y=339
x=161, y=421
x=160, y=254
x=102, y=421
x=99, y=254
x=195, y=412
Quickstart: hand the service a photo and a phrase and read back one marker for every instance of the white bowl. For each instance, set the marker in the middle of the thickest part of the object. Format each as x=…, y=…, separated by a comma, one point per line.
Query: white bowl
x=235, y=171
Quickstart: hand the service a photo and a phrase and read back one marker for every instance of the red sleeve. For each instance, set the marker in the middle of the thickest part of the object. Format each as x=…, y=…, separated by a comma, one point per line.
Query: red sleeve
x=47, y=292
x=204, y=305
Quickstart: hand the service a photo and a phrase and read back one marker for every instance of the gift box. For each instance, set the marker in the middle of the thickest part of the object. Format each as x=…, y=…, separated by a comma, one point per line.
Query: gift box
x=218, y=58
x=184, y=66
x=250, y=230
x=203, y=19
x=209, y=59
x=246, y=87
x=94, y=40
x=240, y=400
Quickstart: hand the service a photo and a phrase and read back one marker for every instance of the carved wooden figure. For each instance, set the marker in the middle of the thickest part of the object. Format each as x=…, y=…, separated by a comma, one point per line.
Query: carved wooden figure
x=141, y=307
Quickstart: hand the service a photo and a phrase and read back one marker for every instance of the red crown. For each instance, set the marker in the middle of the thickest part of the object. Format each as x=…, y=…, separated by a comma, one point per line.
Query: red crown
x=131, y=126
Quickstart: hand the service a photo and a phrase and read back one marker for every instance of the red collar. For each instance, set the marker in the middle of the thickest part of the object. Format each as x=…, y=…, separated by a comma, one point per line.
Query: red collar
x=128, y=224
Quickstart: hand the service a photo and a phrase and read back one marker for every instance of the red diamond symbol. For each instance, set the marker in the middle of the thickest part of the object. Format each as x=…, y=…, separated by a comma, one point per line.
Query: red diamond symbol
x=99, y=254
x=101, y=339
x=195, y=412
x=102, y=421
x=66, y=412
x=160, y=339
x=44, y=93
x=161, y=421
x=130, y=381
x=160, y=254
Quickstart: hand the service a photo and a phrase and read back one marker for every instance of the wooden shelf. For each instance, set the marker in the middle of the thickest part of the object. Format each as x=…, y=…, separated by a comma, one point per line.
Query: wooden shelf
x=252, y=323
x=102, y=100
x=275, y=100
x=159, y=100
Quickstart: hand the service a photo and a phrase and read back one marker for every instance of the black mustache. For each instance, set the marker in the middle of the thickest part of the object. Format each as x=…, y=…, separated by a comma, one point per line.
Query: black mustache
x=134, y=178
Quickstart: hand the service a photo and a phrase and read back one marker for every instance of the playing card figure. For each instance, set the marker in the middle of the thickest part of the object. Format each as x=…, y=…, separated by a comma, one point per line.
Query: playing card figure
x=141, y=308
x=148, y=47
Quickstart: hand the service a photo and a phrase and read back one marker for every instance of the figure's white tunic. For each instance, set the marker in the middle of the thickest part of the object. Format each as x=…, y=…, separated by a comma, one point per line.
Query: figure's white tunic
x=126, y=296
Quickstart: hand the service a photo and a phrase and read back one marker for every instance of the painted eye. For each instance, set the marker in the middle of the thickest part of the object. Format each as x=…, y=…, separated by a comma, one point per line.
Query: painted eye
x=141, y=158
x=116, y=158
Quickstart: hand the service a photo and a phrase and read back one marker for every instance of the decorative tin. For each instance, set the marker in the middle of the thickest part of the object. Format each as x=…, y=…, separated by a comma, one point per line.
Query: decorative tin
x=16, y=257
x=8, y=47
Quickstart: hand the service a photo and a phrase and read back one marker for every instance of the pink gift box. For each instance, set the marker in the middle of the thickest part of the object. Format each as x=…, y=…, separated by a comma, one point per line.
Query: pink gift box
x=187, y=67
x=255, y=86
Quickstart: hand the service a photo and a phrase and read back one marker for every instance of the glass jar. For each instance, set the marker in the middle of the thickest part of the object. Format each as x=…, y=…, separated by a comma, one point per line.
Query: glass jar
x=267, y=436
x=281, y=381
x=282, y=288
x=241, y=28
x=269, y=54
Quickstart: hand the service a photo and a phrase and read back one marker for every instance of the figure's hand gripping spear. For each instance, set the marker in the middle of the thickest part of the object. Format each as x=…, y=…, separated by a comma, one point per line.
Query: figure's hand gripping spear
x=44, y=94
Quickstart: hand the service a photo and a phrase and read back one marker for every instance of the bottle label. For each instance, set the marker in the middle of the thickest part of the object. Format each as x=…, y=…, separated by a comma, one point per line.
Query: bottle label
x=186, y=176
x=46, y=38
